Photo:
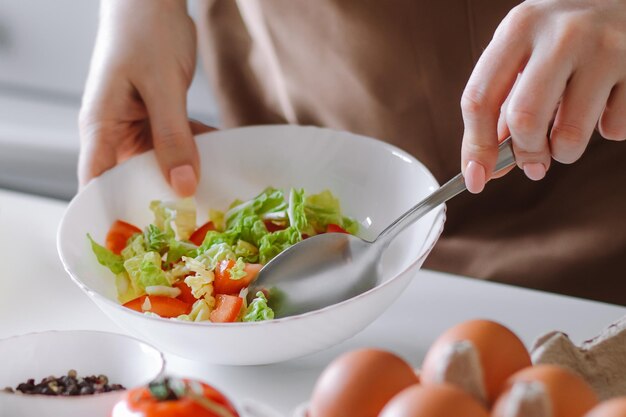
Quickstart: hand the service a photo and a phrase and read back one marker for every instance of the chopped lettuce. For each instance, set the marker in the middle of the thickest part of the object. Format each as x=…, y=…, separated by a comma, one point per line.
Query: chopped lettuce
x=151, y=272
x=249, y=228
x=217, y=253
x=135, y=247
x=296, y=212
x=162, y=255
x=107, y=258
x=217, y=218
x=350, y=225
x=125, y=289
x=270, y=200
x=163, y=290
x=185, y=217
x=247, y=251
x=155, y=239
x=178, y=249
x=182, y=213
x=258, y=310
x=323, y=209
x=201, y=283
x=213, y=238
x=237, y=271
x=200, y=311
x=274, y=243
x=145, y=270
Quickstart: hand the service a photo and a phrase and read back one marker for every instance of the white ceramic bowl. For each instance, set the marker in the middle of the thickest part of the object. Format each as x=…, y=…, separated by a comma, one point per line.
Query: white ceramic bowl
x=123, y=359
x=374, y=181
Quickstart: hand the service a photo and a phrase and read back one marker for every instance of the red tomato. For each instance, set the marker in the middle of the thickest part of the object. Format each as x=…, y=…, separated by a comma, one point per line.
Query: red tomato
x=140, y=402
x=163, y=306
x=118, y=236
x=227, y=308
x=185, y=293
x=224, y=285
x=198, y=236
x=273, y=227
x=335, y=228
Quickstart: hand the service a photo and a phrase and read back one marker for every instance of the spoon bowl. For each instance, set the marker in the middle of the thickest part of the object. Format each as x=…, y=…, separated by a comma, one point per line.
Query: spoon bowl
x=329, y=268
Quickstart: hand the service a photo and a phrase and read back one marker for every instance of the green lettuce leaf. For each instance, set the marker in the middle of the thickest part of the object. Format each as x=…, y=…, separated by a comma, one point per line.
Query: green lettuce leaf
x=247, y=251
x=258, y=310
x=249, y=228
x=217, y=217
x=151, y=272
x=178, y=249
x=214, y=238
x=274, y=243
x=350, y=225
x=155, y=239
x=135, y=247
x=182, y=213
x=323, y=209
x=296, y=212
x=217, y=253
x=145, y=271
x=125, y=290
x=237, y=271
x=107, y=258
x=270, y=200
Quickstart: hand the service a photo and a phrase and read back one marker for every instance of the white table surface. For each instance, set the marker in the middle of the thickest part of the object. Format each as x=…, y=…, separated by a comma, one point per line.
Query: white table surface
x=36, y=294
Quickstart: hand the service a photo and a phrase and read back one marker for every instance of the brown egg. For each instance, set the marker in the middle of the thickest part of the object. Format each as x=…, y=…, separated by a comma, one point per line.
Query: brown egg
x=615, y=407
x=549, y=390
x=359, y=384
x=499, y=351
x=441, y=400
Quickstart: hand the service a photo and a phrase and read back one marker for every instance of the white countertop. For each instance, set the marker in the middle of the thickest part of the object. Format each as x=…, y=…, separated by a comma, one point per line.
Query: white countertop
x=36, y=294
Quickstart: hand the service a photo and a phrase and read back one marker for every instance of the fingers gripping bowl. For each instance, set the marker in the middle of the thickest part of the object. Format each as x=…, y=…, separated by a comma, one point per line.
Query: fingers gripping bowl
x=374, y=181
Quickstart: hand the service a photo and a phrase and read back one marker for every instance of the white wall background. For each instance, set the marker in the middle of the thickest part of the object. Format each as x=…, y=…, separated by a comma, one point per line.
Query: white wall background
x=45, y=48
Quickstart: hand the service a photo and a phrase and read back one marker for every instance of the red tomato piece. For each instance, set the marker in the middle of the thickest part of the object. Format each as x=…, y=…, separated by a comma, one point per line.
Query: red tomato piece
x=185, y=293
x=118, y=236
x=223, y=284
x=139, y=402
x=335, y=228
x=163, y=306
x=198, y=236
x=273, y=227
x=227, y=308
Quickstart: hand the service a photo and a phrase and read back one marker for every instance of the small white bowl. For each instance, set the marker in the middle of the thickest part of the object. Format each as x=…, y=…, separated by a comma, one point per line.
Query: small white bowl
x=122, y=359
x=374, y=181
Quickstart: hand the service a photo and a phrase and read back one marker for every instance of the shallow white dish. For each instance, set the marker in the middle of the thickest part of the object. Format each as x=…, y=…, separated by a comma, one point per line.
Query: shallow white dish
x=374, y=181
x=124, y=360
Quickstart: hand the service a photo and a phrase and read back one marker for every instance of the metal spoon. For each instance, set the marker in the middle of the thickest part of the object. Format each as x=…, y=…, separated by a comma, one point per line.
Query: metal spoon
x=332, y=267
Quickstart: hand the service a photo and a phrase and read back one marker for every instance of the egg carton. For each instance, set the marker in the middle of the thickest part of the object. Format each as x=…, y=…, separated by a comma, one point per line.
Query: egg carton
x=601, y=361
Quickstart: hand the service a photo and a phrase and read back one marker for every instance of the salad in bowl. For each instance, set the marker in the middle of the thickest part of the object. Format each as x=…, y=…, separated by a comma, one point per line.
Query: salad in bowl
x=374, y=182
x=175, y=269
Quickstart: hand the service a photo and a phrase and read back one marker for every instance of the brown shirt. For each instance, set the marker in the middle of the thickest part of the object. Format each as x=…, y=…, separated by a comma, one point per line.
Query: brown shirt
x=395, y=70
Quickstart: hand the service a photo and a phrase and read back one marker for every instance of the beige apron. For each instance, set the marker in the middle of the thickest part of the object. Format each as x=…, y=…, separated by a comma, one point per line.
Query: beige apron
x=395, y=70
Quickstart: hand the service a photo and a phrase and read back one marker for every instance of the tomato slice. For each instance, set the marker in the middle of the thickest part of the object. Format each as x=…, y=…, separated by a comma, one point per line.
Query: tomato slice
x=185, y=293
x=198, y=236
x=141, y=402
x=223, y=284
x=118, y=236
x=163, y=306
x=335, y=228
x=227, y=308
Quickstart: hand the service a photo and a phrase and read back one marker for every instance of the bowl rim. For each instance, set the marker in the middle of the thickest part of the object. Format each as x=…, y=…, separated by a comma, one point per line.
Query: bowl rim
x=434, y=230
x=39, y=397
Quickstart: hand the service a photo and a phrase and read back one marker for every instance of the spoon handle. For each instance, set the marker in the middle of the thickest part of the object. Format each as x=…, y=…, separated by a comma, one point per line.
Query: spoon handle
x=455, y=186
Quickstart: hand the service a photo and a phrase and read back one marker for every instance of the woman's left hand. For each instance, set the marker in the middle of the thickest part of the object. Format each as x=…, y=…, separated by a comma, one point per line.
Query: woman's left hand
x=561, y=60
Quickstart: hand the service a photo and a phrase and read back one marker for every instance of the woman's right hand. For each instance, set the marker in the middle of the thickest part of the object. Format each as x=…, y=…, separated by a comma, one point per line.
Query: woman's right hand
x=136, y=92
